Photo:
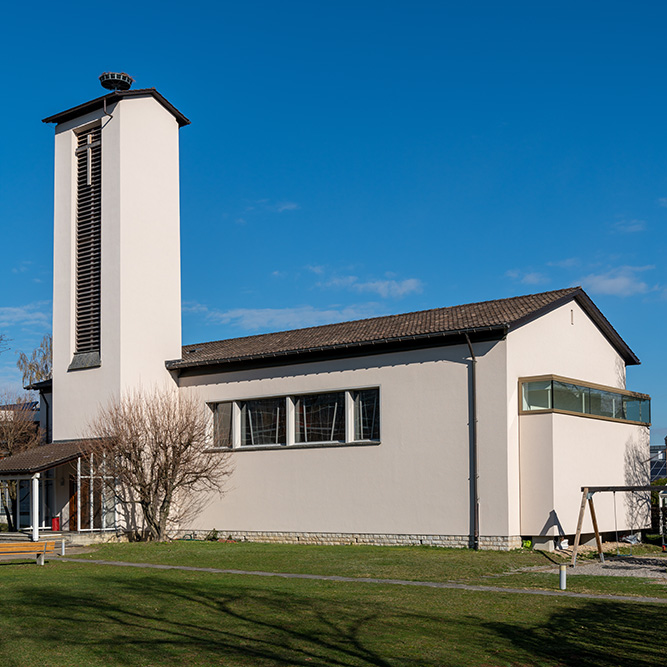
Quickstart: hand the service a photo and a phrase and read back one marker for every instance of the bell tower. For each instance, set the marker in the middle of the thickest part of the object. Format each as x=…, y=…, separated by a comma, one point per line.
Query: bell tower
x=116, y=287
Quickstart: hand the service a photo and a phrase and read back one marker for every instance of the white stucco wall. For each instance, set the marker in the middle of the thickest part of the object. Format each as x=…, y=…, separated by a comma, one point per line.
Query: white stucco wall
x=140, y=274
x=560, y=453
x=415, y=481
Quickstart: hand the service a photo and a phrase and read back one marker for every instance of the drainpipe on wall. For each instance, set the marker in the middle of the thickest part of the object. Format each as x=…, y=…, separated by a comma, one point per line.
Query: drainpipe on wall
x=473, y=447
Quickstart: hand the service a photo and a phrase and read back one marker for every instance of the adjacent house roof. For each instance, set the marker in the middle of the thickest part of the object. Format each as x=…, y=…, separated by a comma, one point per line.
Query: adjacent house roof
x=43, y=458
x=98, y=103
x=439, y=326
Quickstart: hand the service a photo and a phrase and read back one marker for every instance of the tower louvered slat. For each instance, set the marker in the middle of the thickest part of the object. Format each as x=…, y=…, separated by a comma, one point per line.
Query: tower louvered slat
x=88, y=240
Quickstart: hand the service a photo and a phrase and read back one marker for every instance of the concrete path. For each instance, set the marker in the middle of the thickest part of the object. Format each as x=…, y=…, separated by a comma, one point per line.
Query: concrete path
x=369, y=580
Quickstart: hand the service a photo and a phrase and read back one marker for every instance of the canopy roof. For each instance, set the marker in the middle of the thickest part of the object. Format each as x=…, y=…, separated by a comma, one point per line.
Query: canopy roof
x=44, y=457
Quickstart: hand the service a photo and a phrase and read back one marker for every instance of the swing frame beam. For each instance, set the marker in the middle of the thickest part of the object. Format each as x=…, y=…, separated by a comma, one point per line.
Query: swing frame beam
x=587, y=496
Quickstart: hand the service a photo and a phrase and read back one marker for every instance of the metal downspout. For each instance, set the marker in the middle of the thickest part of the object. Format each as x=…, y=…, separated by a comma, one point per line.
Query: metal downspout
x=474, y=492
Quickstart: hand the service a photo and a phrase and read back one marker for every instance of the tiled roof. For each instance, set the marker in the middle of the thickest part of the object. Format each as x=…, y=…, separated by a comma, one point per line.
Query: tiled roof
x=498, y=315
x=42, y=458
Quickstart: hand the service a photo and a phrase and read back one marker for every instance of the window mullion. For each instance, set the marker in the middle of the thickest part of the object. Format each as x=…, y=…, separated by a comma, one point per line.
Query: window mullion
x=236, y=425
x=349, y=417
x=291, y=420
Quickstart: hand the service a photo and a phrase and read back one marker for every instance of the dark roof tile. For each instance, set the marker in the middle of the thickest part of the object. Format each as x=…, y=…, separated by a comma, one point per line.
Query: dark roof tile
x=43, y=458
x=485, y=315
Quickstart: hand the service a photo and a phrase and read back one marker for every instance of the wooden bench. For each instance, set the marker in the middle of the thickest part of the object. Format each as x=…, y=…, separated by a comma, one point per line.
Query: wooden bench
x=37, y=549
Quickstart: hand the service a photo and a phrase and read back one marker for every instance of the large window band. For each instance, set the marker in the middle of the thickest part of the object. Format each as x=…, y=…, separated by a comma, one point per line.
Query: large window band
x=567, y=396
x=341, y=417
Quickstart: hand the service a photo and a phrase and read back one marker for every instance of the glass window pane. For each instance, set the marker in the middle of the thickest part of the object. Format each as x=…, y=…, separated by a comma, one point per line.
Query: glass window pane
x=85, y=466
x=570, y=397
x=605, y=404
x=320, y=417
x=222, y=425
x=366, y=414
x=632, y=408
x=108, y=501
x=536, y=395
x=263, y=422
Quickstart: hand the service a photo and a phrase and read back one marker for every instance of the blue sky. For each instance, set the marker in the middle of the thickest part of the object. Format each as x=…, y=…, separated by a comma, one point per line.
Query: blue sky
x=349, y=159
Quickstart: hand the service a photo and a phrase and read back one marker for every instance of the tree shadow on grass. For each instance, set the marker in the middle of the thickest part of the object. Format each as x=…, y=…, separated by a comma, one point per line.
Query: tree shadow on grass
x=82, y=617
x=595, y=634
x=157, y=621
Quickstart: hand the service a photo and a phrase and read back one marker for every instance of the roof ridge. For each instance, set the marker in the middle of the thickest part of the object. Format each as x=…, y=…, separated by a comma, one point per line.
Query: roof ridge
x=564, y=291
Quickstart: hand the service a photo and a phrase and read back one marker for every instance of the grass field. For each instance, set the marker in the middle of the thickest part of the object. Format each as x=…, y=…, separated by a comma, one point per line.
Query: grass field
x=411, y=563
x=67, y=614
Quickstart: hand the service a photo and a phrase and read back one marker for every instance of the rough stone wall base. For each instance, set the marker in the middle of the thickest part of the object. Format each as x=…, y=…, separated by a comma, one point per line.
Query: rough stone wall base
x=495, y=543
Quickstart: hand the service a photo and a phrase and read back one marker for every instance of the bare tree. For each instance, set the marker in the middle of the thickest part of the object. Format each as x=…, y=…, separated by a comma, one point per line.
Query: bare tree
x=37, y=366
x=18, y=432
x=157, y=448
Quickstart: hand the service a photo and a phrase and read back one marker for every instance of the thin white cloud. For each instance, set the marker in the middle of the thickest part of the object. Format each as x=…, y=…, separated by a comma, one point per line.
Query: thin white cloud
x=620, y=281
x=23, y=267
x=264, y=319
x=629, y=226
x=282, y=206
x=569, y=263
x=386, y=288
x=268, y=205
x=193, y=307
x=37, y=313
x=527, y=277
x=662, y=201
x=391, y=288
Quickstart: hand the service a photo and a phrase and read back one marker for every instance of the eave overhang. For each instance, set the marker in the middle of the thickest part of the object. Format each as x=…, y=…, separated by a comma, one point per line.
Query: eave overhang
x=106, y=100
x=185, y=368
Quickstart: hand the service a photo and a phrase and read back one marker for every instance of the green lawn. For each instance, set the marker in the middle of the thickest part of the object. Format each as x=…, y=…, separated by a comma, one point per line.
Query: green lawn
x=413, y=563
x=494, y=568
x=67, y=614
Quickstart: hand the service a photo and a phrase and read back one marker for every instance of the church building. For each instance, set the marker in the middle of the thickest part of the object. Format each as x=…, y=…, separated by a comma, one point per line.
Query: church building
x=471, y=425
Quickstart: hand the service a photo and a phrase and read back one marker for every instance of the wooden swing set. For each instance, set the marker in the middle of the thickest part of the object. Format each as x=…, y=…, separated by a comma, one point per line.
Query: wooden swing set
x=587, y=495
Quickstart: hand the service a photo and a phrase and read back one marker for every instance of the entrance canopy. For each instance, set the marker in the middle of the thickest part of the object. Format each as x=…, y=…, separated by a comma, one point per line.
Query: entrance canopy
x=28, y=478
x=42, y=458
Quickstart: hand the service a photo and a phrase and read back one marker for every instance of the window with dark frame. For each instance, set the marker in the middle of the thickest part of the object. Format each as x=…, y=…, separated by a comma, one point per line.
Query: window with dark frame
x=327, y=418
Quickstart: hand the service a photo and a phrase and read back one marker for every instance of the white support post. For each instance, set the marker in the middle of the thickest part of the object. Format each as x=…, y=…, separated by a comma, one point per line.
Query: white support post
x=290, y=434
x=34, y=507
x=349, y=417
x=78, y=495
x=236, y=425
x=17, y=507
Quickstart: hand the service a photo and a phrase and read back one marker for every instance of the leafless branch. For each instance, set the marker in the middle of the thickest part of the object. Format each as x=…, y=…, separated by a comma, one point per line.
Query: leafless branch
x=157, y=446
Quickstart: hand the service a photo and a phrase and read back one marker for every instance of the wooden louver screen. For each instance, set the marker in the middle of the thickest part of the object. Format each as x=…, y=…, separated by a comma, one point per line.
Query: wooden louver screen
x=88, y=239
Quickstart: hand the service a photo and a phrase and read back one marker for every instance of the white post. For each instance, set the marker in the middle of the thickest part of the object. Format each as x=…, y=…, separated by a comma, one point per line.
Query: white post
x=17, y=518
x=78, y=495
x=349, y=417
x=34, y=507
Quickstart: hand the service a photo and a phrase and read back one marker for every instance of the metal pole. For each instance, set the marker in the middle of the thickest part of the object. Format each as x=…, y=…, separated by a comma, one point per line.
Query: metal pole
x=562, y=579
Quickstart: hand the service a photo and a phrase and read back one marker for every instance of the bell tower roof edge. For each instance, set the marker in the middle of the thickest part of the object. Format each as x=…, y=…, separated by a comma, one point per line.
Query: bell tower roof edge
x=99, y=102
